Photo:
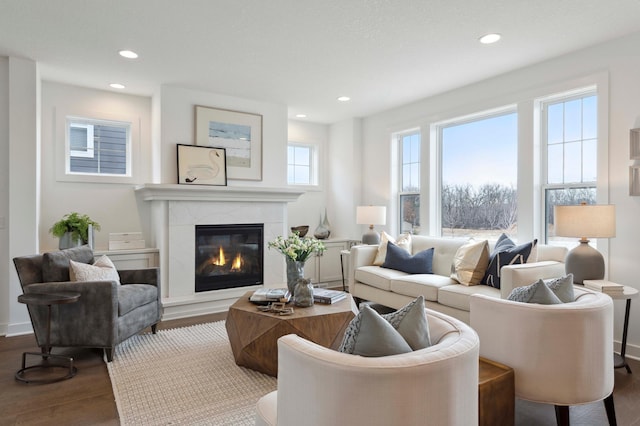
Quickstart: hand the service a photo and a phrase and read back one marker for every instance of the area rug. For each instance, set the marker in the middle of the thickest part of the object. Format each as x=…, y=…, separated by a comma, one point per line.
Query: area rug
x=184, y=376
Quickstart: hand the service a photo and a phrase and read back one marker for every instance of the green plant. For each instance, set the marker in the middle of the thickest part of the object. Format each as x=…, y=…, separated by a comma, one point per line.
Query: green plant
x=76, y=224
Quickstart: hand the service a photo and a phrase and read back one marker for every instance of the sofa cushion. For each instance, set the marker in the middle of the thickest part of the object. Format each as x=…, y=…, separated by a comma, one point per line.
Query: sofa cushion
x=131, y=296
x=457, y=296
x=377, y=276
x=55, y=264
x=403, y=241
x=415, y=285
x=399, y=259
x=506, y=252
x=102, y=269
x=470, y=262
x=369, y=334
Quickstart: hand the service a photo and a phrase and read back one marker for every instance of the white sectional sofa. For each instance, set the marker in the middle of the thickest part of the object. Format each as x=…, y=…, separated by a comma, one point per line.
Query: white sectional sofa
x=395, y=289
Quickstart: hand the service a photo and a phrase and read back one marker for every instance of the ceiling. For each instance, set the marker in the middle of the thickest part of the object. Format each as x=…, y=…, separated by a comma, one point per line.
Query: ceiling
x=302, y=53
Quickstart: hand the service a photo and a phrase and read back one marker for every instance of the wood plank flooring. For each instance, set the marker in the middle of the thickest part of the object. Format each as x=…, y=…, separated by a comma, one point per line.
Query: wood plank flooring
x=87, y=399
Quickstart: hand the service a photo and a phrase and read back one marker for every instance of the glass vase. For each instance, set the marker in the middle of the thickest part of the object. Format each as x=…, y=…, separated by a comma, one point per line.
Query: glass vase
x=303, y=294
x=295, y=271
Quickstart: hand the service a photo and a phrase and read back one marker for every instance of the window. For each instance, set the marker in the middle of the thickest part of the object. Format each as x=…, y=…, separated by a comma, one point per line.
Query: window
x=301, y=164
x=409, y=194
x=478, y=191
x=569, y=140
x=98, y=147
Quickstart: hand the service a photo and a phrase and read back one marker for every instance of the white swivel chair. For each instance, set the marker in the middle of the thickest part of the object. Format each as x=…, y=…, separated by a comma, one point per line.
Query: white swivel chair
x=437, y=385
x=561, y=354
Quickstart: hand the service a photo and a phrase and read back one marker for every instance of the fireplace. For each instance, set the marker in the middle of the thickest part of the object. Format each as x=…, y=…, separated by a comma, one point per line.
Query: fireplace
x=228, y=256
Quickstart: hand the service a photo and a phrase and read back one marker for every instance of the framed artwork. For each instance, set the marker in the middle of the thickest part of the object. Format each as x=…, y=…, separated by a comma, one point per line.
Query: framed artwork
x=200, y=165
x=239, y=133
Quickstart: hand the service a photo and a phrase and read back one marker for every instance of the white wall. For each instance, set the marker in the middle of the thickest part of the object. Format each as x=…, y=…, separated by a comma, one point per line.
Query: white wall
x=112, y=205
x=177, y=127
x=309, y=208
x=5, y=261
x=619, y=60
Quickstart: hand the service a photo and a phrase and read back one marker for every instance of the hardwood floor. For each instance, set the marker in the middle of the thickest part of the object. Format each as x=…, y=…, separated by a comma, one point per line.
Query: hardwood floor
x=87, y=399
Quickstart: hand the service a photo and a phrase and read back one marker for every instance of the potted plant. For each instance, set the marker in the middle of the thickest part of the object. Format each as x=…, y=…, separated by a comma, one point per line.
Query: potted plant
x=74, y=229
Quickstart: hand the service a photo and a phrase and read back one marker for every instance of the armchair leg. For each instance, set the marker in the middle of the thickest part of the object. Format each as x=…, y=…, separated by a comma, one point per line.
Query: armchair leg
x=562, y=415
x=110, y=352
x=611, y=410
x=154, y=328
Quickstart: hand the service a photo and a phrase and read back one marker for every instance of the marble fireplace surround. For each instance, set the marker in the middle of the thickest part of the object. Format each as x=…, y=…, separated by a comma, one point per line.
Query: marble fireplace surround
x=175, y=210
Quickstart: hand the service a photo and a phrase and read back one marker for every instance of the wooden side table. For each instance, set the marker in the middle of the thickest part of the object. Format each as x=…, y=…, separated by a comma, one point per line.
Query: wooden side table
x=496, y=394
x=48, y=300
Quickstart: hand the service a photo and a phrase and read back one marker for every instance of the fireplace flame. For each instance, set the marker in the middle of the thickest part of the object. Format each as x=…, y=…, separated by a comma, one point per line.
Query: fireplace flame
x=220, y=260
x=237, y=263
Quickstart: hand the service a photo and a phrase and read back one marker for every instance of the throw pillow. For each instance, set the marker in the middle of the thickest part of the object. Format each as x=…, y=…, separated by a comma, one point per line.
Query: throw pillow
x=103, y=269
x=55, y=264
x=403, y=241
x=470, y=262
x=506, y=252
x=411, y=323
x=366, y=335
x=397, y=258
x=369, y=334
x=562, y=287
x=537, y=292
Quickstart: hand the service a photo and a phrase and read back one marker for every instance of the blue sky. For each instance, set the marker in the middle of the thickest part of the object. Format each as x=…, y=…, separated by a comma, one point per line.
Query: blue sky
x=481, y=152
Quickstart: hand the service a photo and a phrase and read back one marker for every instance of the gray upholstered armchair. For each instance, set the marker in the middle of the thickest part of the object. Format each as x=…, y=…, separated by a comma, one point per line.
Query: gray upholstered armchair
x=106, y=314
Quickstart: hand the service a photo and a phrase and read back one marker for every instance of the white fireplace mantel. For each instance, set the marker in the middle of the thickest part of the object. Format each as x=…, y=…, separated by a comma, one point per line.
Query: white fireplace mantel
x=175, y=192
x=176, y=210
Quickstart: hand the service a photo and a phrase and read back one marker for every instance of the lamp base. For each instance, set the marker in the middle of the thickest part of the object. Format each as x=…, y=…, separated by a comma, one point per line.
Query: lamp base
x=585, y=263
x=371, y=237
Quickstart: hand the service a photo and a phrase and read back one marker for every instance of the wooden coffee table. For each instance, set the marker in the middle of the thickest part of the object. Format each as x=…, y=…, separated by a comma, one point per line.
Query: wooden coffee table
x=254, y=334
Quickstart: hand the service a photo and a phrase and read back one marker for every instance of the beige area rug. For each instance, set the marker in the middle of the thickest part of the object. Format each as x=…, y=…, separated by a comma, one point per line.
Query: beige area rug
x=184, y=376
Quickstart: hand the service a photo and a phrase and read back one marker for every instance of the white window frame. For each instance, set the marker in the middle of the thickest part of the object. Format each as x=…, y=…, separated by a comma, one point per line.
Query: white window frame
x=64, y=117
x=314, y=153
x=88, y=152
x=541, y=105
x=436, y=130
x=401, y=193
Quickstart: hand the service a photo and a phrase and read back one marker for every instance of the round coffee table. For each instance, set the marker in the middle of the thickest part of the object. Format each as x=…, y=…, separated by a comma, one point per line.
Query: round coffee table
x=47, y=299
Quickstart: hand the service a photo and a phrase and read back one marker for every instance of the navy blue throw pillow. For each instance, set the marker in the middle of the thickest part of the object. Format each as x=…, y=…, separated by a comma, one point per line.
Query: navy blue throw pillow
x=505, y=252
x=399, y=259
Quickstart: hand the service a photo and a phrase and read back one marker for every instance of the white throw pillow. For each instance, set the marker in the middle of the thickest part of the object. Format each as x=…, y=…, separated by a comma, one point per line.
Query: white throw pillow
x=403, y=241
x=102, y=269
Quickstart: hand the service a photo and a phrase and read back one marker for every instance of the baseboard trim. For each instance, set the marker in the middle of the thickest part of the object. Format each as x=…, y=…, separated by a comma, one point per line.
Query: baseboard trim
x=19, y=329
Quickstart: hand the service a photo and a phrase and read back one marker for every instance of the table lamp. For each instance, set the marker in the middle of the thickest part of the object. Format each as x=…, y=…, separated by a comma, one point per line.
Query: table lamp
x=585, y=221
x=371, y=215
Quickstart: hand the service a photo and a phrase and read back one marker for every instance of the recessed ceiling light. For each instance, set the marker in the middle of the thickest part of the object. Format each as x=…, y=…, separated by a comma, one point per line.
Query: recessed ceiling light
x=344, y=98
x=129, y=54
x=117, y=85
x=301, y=115
x=490, y=38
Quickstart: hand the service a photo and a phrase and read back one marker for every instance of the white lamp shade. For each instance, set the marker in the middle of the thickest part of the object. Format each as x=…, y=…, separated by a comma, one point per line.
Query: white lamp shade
x=585, y=221
x=371, y=215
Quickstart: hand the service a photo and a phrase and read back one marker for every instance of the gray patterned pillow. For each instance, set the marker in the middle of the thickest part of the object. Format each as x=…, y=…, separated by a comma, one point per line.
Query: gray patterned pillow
x=562, y=287
x=537, y=292
x=370, y=334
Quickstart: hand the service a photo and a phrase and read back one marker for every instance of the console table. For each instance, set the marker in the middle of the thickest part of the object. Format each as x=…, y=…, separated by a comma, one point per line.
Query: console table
x=42, y=299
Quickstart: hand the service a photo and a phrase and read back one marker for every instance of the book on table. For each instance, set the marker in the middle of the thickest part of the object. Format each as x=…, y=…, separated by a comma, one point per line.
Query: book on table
x=604, y=286
x=324, y=295
x=268, y=295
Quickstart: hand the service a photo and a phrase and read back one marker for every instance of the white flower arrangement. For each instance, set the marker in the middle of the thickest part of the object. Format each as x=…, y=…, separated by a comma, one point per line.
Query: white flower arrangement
x=296, y=248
